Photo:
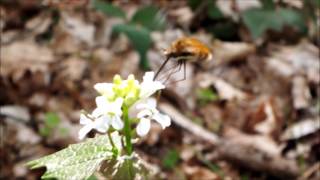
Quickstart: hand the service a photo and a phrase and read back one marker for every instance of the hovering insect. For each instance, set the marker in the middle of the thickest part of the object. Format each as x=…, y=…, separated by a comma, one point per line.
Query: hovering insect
x=183, y=50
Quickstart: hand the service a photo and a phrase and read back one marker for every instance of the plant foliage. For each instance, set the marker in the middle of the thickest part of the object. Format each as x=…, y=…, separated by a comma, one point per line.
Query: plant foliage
x=78, y=161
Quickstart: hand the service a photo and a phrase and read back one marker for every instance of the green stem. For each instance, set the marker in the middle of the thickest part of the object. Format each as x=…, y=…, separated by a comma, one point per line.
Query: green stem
x=127, y=130
x=111, y=141
x=127, y=133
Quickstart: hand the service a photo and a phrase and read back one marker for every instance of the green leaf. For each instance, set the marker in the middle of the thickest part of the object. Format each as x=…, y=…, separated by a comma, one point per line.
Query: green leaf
x=149, y=17
x=108, y=9
x=293, y=17
x=45, y=131
x=268, y=4
x=170, y=159
x=224, y=30
x=194, y=4
x=213, y=11
x=51, y=120
x=125, y=167
x=206, y=95
x=140, y=40
x=78, y=161
x=92, y=177
x=260, y=20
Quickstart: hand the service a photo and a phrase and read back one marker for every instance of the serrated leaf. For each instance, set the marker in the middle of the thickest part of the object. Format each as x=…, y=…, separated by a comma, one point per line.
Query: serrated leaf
x=78, y=161
x=108, y=9
x=124, y=168
x=140, y=40
x=260, y=20
x=149, y=17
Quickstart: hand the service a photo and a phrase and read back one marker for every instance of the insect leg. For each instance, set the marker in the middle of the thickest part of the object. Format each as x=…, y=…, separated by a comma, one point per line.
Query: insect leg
x=184, y=71
x=161, y=67
x=173, y=72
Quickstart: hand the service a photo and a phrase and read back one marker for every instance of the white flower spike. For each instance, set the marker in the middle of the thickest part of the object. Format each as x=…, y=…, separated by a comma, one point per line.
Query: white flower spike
x=149, y=86
x=120, y=94
x=147, y=113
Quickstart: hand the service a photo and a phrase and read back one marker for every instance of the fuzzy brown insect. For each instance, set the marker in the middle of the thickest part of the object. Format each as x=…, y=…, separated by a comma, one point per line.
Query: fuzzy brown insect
x=184, y=50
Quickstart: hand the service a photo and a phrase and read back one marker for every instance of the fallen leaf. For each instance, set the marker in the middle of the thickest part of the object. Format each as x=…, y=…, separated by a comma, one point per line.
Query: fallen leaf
x=299, y=59
x=77, y=28
x=300, y=92
x=269, y=124
x=227, y=7
x=182, y=16
x=225, y=89
x=39, y=24
x=226, y=52
x=29, y=55
x=199, y=173
x=301, y=129
x=73, y=68
x=17, y=112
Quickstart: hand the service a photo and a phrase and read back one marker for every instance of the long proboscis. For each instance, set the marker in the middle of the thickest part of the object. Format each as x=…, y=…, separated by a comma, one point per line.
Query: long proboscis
x=161, y=67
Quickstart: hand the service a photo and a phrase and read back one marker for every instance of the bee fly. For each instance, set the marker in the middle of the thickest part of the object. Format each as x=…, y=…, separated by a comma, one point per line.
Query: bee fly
x=183, y=50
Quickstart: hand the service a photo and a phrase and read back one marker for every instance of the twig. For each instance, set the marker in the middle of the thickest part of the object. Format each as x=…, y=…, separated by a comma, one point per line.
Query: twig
x=239, y=148
x=310, y=171
x=182, y=121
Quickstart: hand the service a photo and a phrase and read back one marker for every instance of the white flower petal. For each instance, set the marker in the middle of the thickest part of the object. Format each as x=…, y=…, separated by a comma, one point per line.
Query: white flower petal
x=142, y=106
x=143, y=127
x=116, y=106
x=117, y=123
x=148, y=86
x=102, y=102
x=148, y=76
x=163, y=120
x=144, y=113
x=104, y=88
x=97, y=112
x=102, y=124
x=84, y=120
x=84, y=131
x=152, y=103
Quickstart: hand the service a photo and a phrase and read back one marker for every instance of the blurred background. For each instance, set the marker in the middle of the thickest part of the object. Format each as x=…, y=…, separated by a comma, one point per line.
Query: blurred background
x=252, y=112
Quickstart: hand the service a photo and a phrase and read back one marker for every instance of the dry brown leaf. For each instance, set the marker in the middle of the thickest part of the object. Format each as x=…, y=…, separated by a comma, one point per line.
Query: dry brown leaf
x=15, y=111
x=294, y=60
x=63, y=43
x=18, y=57
x=225, y=52
x=24, y=134
x=269, y=124
x=38, y=100
x=227, y=7
x=301, y=128
x=260, y=142
x=130, y=64
x=199, y=173
x=103, y=55
x=225, y=89
x=73, y=68
x=182, y=15
x=76, y=27
x=300, y=92
x=39, y=24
